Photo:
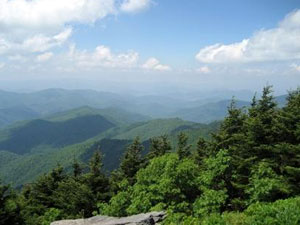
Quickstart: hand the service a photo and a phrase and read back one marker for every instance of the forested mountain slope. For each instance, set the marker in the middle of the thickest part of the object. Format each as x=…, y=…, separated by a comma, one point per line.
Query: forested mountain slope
x=31, y=148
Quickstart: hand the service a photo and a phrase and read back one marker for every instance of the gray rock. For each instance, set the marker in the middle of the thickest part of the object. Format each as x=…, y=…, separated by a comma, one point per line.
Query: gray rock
x=151, y=218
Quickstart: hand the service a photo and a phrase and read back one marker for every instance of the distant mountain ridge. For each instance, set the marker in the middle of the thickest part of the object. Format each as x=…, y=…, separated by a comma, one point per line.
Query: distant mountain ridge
x=22, y=106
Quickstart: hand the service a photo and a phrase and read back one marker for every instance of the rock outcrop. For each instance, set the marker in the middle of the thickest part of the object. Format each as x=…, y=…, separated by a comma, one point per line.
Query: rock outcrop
x=151, y=218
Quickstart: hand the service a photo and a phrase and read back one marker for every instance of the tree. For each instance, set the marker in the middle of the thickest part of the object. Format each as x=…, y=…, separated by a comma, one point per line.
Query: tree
x=9, y=207
x=74, y=198
x=183, y=149
x=159, y=146
x=39, y=196
x=77, y=168
x=201, y=151
x=290, y=119
x=265, y=185
x=215, y=184
x=166, y=183
x=132, y=160
x=262, y=123
x=96, y=179
x=232, y=129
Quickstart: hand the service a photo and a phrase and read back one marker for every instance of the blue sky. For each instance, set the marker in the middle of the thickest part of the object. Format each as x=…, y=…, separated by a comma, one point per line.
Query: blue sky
x=195, y=43
x=175, y=30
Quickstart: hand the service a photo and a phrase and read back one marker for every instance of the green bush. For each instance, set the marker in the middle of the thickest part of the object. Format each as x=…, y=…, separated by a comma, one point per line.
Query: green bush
x=281, y=212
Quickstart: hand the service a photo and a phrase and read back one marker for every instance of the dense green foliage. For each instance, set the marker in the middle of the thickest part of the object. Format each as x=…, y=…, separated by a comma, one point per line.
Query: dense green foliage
x=246, y=174
x=251, y=160
x=46, y=146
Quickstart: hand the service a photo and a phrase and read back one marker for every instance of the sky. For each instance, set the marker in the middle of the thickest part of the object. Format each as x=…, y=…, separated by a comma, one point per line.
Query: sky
x=150, y=44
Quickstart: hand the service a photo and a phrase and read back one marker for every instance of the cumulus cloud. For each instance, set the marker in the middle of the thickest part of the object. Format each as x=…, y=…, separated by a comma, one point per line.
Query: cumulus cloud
x=36, y=14
x=102, y=57
x=37, y=26
x=44, y=57
x=203, y=69
x=154, y=64
x=280, y=43
x=131, y=6
x=31, y=31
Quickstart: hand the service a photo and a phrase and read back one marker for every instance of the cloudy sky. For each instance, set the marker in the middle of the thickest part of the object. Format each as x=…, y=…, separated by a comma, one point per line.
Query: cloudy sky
x=202, y=44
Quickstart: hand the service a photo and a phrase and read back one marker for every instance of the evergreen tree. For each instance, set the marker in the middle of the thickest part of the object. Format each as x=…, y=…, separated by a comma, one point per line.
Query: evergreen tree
x=74, y=198
x=183, y=148
x=97, y=180
x=132, y=160
x=232, y=129
x=201, y=151
x=39, y=196
x=232, y=137
x=159, y=146
x=288, y=150
x=290, y=119
x=77, y=168
x=9, y=207
x=261, y=125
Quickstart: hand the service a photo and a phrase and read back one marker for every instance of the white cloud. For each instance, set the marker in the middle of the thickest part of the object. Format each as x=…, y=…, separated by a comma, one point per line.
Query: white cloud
x=36, y=43
x=31, y=30
x=154, y=64
x=39, y=25
x=36, y=14
x=134, y=5
x=41, y=43
x=203, y=69
x=102, y=57
x=2, y=65
x=280, y=43
x=44, y=57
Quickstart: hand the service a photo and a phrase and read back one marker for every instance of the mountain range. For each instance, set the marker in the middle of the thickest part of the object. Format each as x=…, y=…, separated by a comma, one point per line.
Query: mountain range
x=33, y=147
x=55, y=126
x=203, y=109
